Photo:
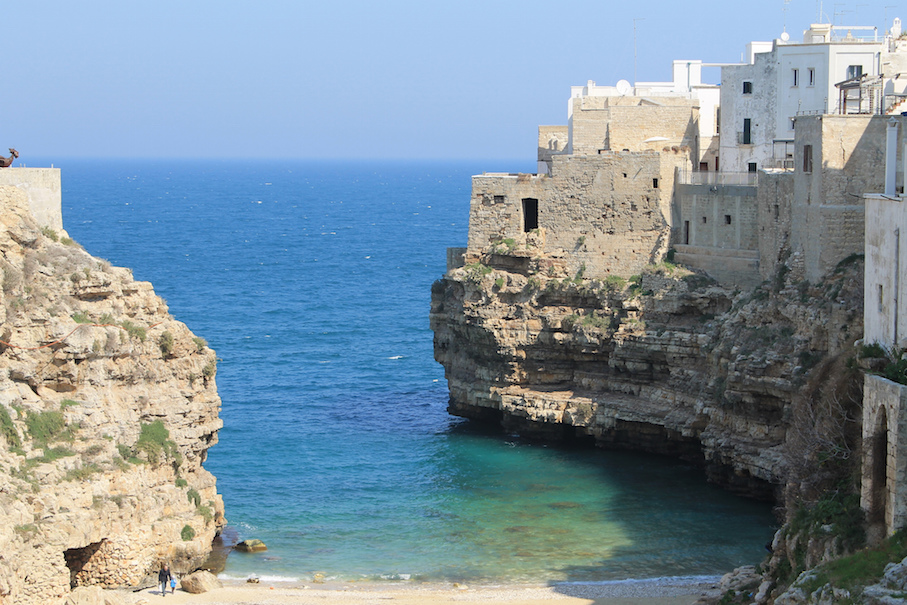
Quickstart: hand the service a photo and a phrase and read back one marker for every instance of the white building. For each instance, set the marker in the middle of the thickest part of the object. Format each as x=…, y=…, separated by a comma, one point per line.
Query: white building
x=760, y=100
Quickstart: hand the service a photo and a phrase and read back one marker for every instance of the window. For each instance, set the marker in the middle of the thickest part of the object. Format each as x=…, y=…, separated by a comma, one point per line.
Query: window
x=752, y=167
x=705, y=220
x=530, y=214
x=499, y=199
x=747, y=88
x=795, y=81
x=854, y=71
x=727, y=219
x=812, y=76
x=747, y=131
x=718, y=120
x=881, y=299
x=777, y=212
x=654, y=183
x=807, y=158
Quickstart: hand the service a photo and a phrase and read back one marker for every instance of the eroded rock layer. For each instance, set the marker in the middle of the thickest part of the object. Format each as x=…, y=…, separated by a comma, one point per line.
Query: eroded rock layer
x=665, y=362
x=108, y=406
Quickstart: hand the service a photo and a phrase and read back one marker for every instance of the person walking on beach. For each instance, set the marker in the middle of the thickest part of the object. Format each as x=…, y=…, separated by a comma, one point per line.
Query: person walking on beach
x=164, y=578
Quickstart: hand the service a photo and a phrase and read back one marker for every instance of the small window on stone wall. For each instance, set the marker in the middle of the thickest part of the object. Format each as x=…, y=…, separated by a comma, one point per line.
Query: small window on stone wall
x=655, y=183
x=727, y=219
x=625, y=175
x=807, y=158
x=747, y=88
x=777, y=212
x=881, y=297
x=704, y=220
x=499, y=199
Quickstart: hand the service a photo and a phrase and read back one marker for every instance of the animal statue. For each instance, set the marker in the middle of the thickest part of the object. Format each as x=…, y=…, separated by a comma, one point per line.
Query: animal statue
x=6, y=162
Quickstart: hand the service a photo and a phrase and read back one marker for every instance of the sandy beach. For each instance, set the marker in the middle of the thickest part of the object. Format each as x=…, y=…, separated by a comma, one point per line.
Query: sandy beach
x=282, y=593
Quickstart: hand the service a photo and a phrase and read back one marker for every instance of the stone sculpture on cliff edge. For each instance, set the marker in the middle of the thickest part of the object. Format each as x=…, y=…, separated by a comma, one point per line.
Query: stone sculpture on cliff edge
x=7, y=162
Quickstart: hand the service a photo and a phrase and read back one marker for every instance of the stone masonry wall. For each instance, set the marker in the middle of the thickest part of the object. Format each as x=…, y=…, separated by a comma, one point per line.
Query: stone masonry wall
x=603, y=214
x=42, y=186
x=624, y=123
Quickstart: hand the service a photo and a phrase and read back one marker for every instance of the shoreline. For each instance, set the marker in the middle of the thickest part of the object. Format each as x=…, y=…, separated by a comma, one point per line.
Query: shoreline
x=660, y=591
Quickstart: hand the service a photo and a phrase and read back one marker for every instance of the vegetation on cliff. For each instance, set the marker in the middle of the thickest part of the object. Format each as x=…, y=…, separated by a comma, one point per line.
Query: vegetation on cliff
x=103, y=429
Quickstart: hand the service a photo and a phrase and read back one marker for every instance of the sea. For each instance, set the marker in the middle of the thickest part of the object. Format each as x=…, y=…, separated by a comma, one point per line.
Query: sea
x=311, y=280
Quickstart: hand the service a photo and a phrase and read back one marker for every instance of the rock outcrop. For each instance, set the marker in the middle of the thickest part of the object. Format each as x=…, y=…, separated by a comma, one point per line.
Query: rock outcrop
x=665, y=362
x=108, y=406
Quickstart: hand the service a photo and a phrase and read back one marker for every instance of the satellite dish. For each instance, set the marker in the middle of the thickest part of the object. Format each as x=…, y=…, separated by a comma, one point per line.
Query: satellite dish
x=785, y=36
x=623, y=87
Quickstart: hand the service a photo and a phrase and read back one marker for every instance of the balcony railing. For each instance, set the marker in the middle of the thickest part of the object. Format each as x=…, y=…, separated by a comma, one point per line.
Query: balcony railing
x=687, y=177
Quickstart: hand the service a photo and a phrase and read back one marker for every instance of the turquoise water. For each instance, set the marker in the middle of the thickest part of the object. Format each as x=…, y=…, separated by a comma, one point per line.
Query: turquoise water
x=312, y=282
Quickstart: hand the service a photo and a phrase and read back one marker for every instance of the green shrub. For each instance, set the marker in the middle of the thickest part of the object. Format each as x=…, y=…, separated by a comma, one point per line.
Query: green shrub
x=8, y=429
x=81, y=317
x=194, y=496
x=68, y=403
x=476, y=271
x=188, y=533
x=55, y=453
x=200, y=343
x=50, y=234
x=206, y=512
x=81, y=473
x=209, y=370
x=133, y=330
x=166, y=343
x=154, y=441
x=873, y=351
x=45, y=427
x=180, y=482
x=499, y=282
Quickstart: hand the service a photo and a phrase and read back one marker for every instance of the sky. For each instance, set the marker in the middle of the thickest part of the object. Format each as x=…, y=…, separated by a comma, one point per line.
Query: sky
x=349, y=79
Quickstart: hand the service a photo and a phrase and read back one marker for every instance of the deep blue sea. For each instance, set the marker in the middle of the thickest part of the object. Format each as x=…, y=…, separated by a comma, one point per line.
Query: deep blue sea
x=312, y=282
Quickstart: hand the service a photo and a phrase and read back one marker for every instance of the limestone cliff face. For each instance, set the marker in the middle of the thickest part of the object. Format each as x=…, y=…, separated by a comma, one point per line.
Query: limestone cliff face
x=107, y=409
x=667, y=362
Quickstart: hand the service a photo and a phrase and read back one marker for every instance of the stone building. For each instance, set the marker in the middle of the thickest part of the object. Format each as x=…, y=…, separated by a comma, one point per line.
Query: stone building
x=884, y=469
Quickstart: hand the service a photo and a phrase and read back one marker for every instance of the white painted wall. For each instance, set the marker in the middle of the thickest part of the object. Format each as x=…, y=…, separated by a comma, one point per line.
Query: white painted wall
x=885, y=279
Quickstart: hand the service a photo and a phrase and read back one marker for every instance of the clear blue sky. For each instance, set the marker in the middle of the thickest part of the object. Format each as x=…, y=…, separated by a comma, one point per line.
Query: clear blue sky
x=347, y=78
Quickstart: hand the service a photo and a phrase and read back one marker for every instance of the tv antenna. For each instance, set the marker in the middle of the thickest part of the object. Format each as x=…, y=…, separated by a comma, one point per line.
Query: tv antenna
x=784, y=10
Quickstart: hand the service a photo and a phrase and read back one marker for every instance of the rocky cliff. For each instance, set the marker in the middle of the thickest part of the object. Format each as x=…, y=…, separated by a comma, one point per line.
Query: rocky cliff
x=665, y=362
x=107, y=409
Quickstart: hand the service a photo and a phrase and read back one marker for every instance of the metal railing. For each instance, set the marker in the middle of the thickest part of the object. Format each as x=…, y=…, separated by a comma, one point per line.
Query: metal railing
x=688, y=177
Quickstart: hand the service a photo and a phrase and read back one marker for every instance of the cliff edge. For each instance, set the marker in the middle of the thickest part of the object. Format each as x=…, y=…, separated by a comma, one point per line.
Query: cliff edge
x=108, y=406
x=666, y=361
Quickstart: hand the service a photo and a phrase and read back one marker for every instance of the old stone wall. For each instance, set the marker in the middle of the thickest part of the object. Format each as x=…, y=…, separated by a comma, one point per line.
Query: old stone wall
x=626, y=123
x=108, y=406
x=774, y=199
x=848, y=160
x=603, y=214
x=42, y=186
x=884, y=469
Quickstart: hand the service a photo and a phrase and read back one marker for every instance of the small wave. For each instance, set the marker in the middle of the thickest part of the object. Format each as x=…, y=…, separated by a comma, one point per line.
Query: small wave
x=396, y=357
x=226, y=576
x=661, y=581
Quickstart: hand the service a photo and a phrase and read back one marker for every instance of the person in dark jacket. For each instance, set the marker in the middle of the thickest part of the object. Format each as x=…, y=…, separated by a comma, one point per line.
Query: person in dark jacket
x=163, y=576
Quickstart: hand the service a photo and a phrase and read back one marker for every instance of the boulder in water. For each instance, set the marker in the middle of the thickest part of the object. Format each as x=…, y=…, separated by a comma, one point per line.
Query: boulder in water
x=251, y=546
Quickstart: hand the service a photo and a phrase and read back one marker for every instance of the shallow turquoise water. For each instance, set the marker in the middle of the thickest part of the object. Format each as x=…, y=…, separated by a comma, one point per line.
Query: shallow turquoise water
x=312, y=283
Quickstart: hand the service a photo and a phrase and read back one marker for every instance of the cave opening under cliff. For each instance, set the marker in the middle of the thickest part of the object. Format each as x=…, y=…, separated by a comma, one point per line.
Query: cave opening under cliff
x=79, y=562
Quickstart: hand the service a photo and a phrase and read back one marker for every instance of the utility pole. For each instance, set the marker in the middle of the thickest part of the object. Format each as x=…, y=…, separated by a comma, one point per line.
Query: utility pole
x=634, y=51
